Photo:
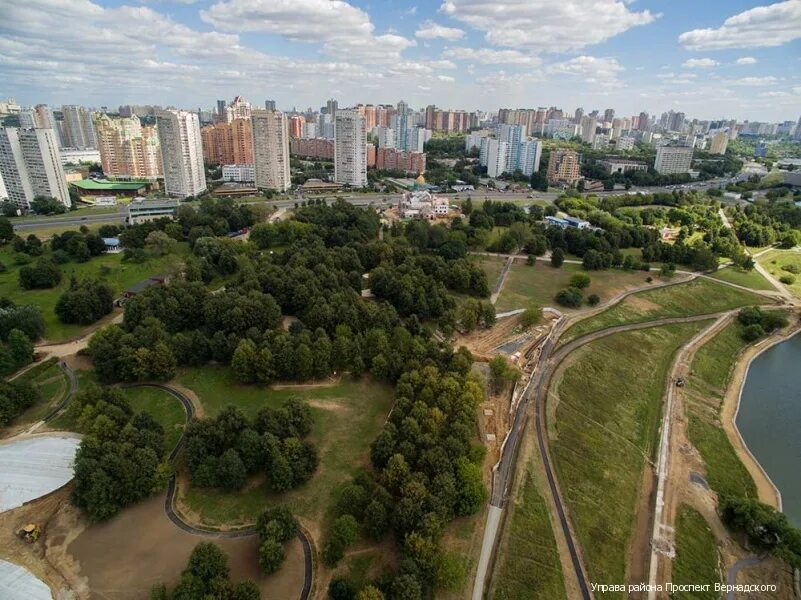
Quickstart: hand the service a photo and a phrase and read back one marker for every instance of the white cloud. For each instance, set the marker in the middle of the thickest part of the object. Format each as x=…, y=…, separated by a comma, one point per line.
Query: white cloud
x=430, y=30
x=344, y=30
x=547, y=25
x=746, y=60
x=488, y=56
x=588, y=66
x=762, y=26
x=446, y=78
x=755, y=81
x=700, y=63
x=773, y=95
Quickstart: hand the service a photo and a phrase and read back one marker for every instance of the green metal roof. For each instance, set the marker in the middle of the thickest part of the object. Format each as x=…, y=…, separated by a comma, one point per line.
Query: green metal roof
x=100, y=185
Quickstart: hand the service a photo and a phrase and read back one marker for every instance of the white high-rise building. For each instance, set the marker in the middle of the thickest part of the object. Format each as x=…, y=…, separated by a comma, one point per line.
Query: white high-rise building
x=385, y=135
x=513, y=135
x=350, y=149
x=30, y=166
x=497, y=157
x=79, y=130
x=673, y=159
x=3, y=191
x=181, y=152
x=528, y=157
x=416, y=138
x=720, y=142
x=271, y=149
x=588, y=125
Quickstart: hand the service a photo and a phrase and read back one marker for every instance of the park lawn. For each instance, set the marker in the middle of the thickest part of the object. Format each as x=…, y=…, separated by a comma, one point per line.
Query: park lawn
x=540, y=283
x=52, y=384
x=750, y=279
x=697, y=559
x=528, y=564
x=491, y=265
x=710, y=372
x=121, y=277
x=697, y=297
x=165, y=409
x=773, y=262
x=45, y=231
x=348, y=415
x=605, y=427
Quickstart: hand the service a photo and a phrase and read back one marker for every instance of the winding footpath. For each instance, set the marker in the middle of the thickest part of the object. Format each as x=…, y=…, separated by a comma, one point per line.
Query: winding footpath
x=172, y=487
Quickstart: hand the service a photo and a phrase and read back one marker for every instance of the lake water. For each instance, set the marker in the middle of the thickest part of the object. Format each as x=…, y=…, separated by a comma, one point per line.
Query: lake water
x=770, y=419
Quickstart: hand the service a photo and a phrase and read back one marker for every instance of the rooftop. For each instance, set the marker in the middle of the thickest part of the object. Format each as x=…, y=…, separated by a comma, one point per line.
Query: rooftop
x=105, y=186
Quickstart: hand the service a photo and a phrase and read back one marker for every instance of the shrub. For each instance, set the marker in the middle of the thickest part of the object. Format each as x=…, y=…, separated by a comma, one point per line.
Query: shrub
x=752, y=332
x=45, y=274
x=787, y=279
x=557, y=257
x=593, y=299
x=570, y=297
x=580, y=281
x=791, y=269
x=531, y=316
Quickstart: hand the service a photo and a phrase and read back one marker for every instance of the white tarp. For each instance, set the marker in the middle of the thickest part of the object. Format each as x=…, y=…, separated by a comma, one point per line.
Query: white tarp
x=34, y=467
x=18, y=583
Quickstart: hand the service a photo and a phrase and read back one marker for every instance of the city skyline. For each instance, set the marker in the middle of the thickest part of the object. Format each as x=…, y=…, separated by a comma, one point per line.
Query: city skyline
x=736, y=60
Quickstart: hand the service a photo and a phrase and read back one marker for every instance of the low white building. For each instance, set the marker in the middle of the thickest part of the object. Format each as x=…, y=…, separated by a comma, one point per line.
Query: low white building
x=239, y=173
x=421, y=204
x=73, y=156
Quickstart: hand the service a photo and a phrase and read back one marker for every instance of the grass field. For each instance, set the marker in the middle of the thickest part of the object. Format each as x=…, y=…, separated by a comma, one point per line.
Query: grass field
x=491, y=265
x=750, y=279
x=773, y=262
x=706, y=386
x=52, y=385
x=541, y=282
x=121, y=276
x=697, y=560
x=696, y=297
x=163, y=407
x=606, y=426
x=528, y=564
x=347, y=416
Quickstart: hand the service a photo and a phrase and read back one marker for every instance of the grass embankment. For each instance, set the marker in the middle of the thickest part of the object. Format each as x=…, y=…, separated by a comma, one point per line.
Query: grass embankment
x=348, y=415
x=540, y=283
x=605, y=428
x=773, y=262
x=696, y=297
x=709, y=377
x=165, y=409
x=697, y=559
x=52, y=384
x=119, y=276
x=528, y=564
x=750, y=279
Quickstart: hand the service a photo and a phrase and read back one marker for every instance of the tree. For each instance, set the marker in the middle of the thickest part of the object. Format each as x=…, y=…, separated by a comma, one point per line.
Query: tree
x=47, y=205
x=231, y=471
x=593, y=299
x=208, y=562
x=557, y=257
x=45, y=274
x=6, y=230
x=271, y=555
x=341, y=588
x=25, y=318
x=344, y=532
x=531, y=316
x=20, y=348
x=502, y=373
x=570, y=297
x=159, y=243
x=580, y=281
x=370, y=592
x=85, y=302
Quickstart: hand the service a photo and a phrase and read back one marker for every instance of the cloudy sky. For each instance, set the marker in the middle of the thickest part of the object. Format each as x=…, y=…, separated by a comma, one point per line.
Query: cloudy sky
x=709, y=58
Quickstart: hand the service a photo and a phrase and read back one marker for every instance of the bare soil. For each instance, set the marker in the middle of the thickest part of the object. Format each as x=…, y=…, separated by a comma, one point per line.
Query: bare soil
x=140, y=547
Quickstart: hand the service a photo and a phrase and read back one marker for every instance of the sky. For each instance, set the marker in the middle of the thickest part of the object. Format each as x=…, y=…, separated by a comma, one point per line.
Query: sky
x=708, y=58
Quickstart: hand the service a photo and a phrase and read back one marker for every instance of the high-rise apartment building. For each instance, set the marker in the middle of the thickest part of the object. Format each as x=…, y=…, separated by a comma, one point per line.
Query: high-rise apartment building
x=720, y=142
x=228, y=143
x=271, y=150
x=296, y=126
x=181, y=153
x=79, y=131
x=127, y=148
x=269, y=105
x=643, y=123
x=673, y=159
x=563, y=167
x=30, y=166
x=497, y=157
x=528, y=157
x=588, y=125
x=331, y=107
x=385, y=137
x=350, y=151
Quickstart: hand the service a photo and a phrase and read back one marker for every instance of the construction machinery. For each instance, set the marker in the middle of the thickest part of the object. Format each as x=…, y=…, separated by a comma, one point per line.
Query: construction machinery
x=30, y=533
